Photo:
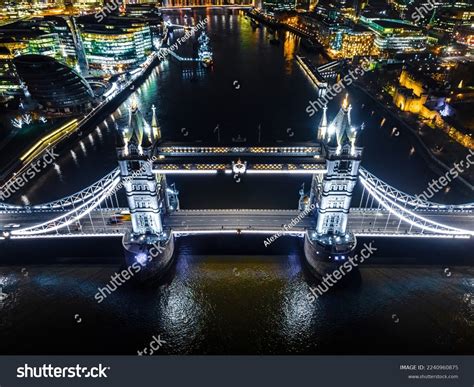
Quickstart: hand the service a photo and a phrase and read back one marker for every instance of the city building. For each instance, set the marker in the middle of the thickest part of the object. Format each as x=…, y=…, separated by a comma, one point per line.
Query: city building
x=412, y=92
x=338, y=34
x=140, y=9
x=420, y=94
x=87, y=5
x=357, y=41
x=9, y=82
x=465, y=35
x=446, y=19
x=115, y=43
x=190, y=3
x=393, y=35
x=325, y=25
x=54, y=85
x=50, y=35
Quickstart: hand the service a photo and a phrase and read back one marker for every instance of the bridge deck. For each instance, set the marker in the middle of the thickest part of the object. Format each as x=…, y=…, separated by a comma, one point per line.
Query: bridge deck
x=361, y=222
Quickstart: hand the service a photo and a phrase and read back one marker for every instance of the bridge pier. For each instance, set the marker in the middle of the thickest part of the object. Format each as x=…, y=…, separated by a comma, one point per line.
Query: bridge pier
x=149, y=257
x=324, y=254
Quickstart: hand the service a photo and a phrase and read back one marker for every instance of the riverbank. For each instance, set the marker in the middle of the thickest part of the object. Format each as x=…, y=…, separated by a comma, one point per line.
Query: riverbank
x=83, y=127
x=274, y=23
x=440, y=166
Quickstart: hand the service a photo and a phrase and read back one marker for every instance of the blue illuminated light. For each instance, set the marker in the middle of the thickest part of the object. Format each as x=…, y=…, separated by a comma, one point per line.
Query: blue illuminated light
x=141, y=258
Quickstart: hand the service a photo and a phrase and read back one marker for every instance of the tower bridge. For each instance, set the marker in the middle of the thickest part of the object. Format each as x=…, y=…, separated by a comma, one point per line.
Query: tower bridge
x=325, y=217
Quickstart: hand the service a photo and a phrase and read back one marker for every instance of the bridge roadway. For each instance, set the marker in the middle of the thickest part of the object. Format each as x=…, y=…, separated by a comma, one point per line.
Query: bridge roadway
x=189, y=222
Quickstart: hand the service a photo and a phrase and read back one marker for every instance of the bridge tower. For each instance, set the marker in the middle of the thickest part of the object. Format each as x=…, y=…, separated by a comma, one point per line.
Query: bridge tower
x=147, y=243
x=331, y=242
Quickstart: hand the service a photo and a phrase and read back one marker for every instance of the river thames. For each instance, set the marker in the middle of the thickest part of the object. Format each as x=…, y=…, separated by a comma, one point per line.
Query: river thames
x=228, y=295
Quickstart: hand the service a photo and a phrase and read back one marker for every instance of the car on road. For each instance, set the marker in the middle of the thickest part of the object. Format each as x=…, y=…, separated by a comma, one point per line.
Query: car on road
x=115, y=220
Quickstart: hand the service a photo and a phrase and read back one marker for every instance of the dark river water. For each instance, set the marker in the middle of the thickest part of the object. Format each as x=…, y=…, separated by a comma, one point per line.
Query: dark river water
x=228, y=295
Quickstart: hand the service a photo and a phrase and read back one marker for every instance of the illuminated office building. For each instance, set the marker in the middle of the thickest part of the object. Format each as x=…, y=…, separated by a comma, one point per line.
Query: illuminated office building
x=116, y=42
x=190, y=3
x=9, y=82
x=87, y=5
x=447, y=19
x=19, y=43
x=392, y=35
x=50, y=36
x=347, y=43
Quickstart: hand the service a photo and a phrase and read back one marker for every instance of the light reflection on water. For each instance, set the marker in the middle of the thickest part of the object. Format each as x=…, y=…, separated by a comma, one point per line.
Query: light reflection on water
x=259, y=308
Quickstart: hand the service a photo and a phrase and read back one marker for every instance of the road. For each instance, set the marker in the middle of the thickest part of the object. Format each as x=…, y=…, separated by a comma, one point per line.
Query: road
x=362, y=223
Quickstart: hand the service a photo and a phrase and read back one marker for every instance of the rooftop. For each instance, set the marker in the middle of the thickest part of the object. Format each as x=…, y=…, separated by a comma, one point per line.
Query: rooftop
x=395, y=24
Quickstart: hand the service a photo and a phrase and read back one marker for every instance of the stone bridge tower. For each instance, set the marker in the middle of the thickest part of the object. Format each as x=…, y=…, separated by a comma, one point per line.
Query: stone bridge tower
x=331, y=242
x=147, y=244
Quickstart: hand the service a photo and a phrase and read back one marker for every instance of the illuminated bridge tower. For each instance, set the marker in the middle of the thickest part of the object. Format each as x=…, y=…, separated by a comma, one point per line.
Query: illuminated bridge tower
x=147, y=243
x=331, y=242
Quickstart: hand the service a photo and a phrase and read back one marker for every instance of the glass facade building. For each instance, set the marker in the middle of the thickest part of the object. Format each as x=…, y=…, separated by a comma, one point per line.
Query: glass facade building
x=116, y=42
x=393, y=35
x=54, y=85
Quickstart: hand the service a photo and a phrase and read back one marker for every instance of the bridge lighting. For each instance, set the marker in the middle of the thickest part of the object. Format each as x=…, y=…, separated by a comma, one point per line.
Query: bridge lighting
x=141, y=258
x=331, y=130
x=284, y=171
x=184, y=172
x=442, y=228
x=70, y=217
